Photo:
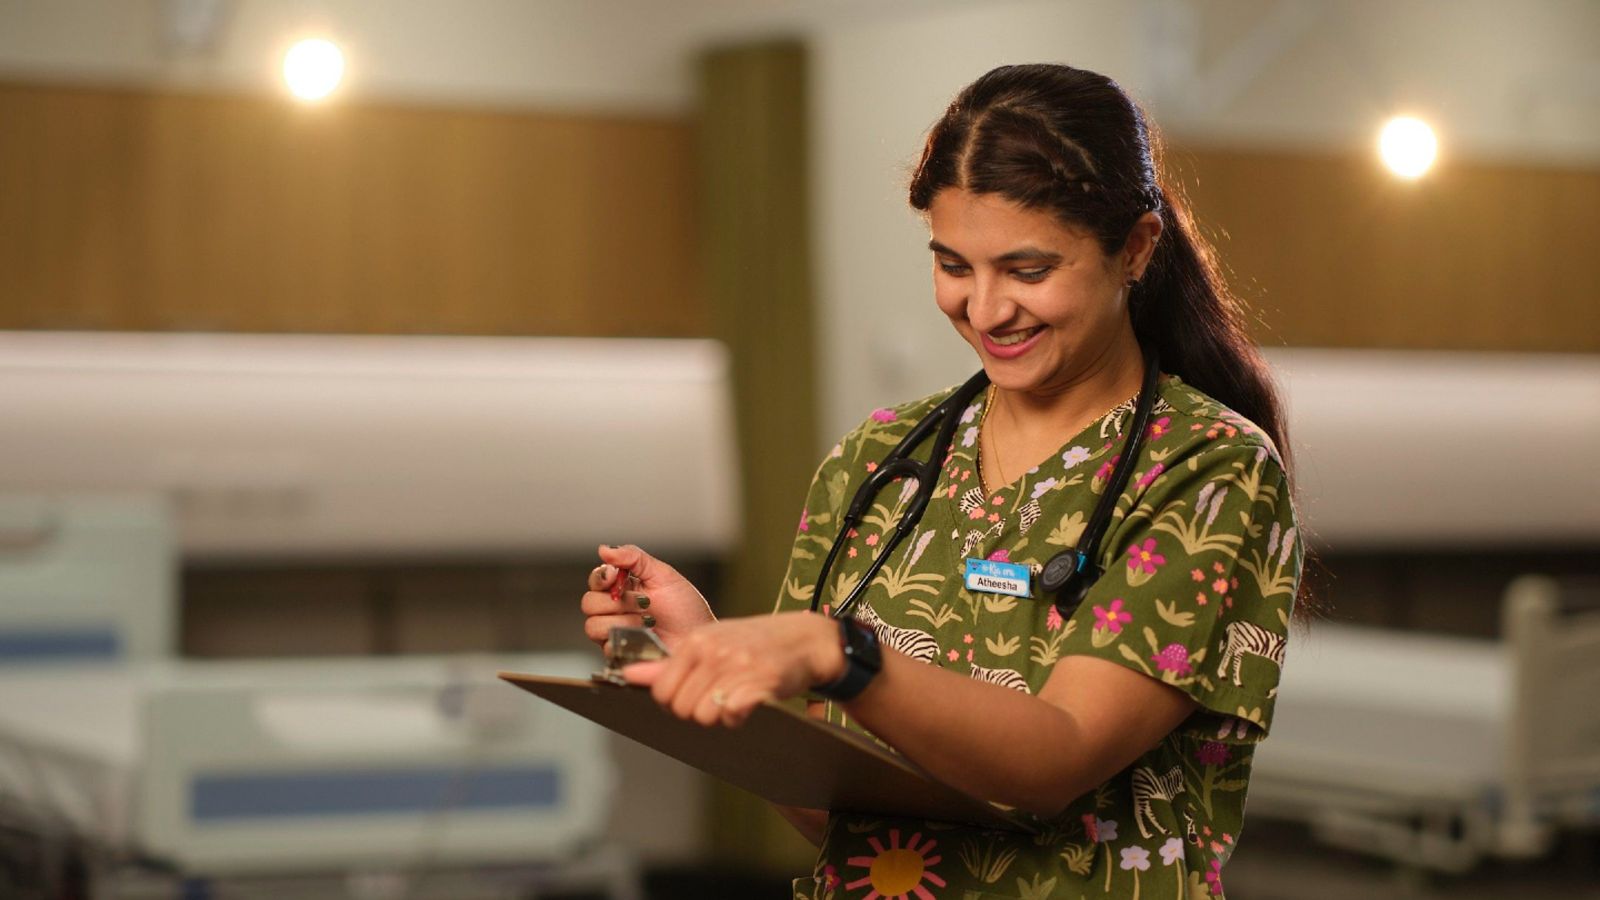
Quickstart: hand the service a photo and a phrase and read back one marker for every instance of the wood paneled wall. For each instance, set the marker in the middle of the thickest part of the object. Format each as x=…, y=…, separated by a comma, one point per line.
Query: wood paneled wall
x=1334, y=251
x=158, y=211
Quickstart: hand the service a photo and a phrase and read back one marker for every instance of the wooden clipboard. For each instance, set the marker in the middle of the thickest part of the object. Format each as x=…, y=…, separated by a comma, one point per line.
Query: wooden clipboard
x=778, y=754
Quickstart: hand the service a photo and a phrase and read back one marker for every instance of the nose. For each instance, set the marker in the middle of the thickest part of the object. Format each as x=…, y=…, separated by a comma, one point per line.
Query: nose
x=988, y=306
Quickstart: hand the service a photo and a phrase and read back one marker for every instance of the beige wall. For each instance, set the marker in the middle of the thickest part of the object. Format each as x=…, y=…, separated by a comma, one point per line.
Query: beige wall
x=161, y=211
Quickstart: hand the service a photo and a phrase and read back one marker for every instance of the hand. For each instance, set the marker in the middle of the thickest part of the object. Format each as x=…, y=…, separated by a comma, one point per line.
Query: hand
x=654, y=596
x=721, y=672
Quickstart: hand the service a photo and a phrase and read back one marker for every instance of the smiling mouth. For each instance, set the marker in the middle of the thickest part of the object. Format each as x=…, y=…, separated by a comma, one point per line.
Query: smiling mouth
x=1015, y=337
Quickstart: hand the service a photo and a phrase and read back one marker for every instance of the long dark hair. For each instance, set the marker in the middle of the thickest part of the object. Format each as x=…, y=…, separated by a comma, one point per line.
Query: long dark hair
x=1070, y=141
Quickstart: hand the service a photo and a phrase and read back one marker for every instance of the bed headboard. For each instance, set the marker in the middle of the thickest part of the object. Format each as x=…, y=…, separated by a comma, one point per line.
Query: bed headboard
x=305, y=447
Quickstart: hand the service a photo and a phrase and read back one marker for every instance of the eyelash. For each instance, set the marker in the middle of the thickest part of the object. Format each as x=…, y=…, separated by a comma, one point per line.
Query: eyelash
x=1028, y=276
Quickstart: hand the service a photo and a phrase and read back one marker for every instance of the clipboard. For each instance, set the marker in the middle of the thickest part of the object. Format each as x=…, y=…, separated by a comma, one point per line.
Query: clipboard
x=778, y=753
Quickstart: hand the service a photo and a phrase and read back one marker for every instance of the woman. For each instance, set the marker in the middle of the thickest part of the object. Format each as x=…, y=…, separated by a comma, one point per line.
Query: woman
x=1124, y=730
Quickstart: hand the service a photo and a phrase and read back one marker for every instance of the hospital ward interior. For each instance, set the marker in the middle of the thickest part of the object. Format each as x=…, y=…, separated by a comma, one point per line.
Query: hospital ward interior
x=335, y=335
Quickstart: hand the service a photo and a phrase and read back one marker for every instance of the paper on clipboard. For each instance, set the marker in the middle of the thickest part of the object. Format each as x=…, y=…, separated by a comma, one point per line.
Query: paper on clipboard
x=777, y=754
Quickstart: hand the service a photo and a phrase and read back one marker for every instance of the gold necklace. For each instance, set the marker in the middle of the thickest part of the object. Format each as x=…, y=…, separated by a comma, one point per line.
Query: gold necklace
x=988, y=403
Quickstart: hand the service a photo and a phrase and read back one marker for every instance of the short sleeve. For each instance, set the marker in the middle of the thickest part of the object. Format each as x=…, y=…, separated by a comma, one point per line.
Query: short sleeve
x=818, y=526
x=1200, y=581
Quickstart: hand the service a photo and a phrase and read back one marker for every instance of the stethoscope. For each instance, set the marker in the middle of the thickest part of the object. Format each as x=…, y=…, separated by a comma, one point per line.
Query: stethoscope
x=1067, y=576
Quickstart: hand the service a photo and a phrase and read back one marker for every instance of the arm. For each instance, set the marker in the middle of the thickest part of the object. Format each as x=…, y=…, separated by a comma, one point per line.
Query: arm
x=1092, y=719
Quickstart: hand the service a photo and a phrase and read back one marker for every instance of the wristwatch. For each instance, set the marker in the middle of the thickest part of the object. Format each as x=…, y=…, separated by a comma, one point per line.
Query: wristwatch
x=862, y=661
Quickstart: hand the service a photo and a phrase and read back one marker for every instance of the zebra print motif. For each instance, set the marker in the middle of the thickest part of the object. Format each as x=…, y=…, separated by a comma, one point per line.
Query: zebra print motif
x=1248, y=638
x=1029, y=515
x=1006, y=678
x=916, y=644
x=971, y=500
x=1147, y=786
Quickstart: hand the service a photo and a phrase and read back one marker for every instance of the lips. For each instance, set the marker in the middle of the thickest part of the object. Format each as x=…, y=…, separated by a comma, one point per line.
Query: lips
x=1012, y=344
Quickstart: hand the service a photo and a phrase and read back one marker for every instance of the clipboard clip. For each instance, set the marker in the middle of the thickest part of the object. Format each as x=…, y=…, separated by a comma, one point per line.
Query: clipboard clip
x=629, y=646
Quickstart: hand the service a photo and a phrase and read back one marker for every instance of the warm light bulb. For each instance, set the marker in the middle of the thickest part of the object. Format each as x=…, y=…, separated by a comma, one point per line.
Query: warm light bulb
x=312, y=68
x=1407, y=146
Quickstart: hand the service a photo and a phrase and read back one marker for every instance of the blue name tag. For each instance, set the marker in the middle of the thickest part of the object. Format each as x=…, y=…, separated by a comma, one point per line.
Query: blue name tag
x=994, y=577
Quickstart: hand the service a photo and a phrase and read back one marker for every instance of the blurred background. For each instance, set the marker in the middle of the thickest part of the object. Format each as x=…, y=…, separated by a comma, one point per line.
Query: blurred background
x=335, y=335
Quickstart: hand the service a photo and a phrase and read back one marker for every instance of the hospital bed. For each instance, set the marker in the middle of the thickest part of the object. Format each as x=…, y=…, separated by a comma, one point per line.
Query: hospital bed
x=1442, y=751
x=129, y=455
x=1437, y=750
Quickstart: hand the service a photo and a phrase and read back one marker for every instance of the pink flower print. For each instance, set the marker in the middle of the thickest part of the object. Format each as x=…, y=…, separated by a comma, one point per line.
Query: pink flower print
x=1104, y=471
x=1113, y=618
x=954, y=655
x=1220, y=585
x=1135, y=857
x=1171, y=851
x=1152, y=475
x=1000, y=556
x=1159, y=427
x=872, y=540
x=976, y=513
x=996, y=500
x=830, y=877
x=883, y=414
x=851, y=553
x=994, y=517
x=805, y=520
x=1214, y=877
x=969, y=655
x=1200, y=598
x=1052, y=619
x=965, y=474
x=1090, y=829
x=1106, y=829
x=1217, y=568
x=1144, y=557
x=966, y=639
x=851, y=534
x=1197, y=575
x=872, y=467
x=1212, y=753
x=1173, y=658
x=951, y=493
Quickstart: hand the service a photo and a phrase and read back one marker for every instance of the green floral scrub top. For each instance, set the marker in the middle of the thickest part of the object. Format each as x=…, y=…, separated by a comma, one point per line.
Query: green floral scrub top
x=1201, y=562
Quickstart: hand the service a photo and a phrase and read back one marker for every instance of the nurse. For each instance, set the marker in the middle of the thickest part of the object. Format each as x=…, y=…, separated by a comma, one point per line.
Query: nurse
x=1125, y=729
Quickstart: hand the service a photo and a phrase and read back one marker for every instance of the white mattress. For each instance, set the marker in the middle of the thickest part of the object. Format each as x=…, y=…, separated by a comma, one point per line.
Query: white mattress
x=1400, y=715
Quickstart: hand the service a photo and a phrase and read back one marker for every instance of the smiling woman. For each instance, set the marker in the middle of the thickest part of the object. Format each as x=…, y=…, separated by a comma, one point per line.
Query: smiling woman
x=1118, y=719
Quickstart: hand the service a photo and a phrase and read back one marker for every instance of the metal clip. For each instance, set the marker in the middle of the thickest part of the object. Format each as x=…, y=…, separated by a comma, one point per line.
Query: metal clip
x=628, y=646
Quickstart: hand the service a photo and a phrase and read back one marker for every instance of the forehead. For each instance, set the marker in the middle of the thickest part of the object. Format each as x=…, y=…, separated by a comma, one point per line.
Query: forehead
x=980, y=226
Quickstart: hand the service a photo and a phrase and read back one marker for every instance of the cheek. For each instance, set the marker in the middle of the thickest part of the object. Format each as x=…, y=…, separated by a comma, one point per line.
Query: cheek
x=949, y=297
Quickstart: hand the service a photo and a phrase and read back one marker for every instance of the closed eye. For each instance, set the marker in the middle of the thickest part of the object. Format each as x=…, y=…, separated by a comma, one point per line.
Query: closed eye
x=1032, y=276
x=951, y=268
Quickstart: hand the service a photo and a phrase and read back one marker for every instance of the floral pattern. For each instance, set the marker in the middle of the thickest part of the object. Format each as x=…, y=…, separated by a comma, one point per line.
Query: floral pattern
x=1201, y=559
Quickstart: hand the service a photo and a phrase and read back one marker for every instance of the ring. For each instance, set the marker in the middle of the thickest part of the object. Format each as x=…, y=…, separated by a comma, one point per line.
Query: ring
x=718, y=697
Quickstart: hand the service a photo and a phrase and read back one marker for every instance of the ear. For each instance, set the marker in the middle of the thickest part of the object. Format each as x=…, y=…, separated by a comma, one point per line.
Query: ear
x=1141, y=245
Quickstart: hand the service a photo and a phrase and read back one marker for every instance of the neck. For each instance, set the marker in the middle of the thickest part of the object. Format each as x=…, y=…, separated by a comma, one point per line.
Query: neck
x=1047, y=417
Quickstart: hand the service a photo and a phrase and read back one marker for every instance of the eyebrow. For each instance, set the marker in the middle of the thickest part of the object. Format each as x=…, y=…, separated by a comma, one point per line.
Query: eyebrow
x=1029, y=254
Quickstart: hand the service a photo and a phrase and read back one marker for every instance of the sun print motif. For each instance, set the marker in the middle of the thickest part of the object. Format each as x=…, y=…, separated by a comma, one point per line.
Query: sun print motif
x=896, y=871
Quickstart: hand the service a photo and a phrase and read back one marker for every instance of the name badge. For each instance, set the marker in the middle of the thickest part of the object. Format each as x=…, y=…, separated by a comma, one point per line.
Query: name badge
x=994, y=577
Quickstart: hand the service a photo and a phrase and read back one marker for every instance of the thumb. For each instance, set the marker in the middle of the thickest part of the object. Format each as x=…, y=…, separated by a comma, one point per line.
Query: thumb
x=643, y=566
x=643, y=674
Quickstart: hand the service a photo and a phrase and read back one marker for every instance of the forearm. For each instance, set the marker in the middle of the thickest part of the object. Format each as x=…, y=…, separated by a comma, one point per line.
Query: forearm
x=992, y=742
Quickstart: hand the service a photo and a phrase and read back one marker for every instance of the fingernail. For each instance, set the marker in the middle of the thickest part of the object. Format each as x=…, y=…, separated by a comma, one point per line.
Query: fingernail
x=611, y=546
x=644, y=602
x=649, y=621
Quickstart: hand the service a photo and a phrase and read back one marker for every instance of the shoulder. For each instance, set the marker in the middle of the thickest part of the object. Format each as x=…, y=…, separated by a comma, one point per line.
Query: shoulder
x=1189, y=424
x=889, y=424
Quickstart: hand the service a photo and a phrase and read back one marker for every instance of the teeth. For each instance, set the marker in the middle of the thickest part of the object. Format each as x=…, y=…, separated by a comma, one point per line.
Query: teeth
x=1015, y=337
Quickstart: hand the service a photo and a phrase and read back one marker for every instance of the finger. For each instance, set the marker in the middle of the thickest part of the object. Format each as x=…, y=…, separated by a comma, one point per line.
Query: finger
x=741, y=702
x=599, y=603
x=643, y=674
x=602, y=576
x=598, y=628
x=647, y=568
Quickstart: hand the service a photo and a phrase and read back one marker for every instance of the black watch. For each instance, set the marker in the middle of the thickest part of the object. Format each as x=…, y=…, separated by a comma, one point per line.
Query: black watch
x=862, y=661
